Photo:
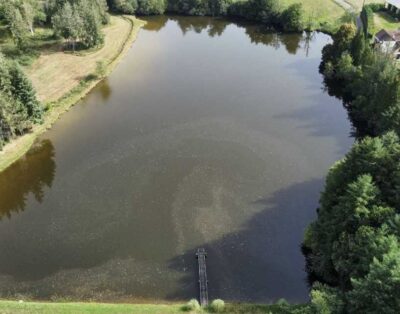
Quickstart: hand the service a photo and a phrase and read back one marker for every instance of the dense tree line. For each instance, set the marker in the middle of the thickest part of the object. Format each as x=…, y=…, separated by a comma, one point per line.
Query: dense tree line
x=19, y=107
x=20, y=16
x=352, y=248
x=79, y=21
x=355, y=241
x=366, y=79
x=267, y=12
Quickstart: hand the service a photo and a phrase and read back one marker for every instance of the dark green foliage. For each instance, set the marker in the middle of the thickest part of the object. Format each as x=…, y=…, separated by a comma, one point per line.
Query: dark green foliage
x=342, y=41
x=367, y=17
x=23, y=92
x=80, y=22
x=367, y=81
x=292, y=18
x=151, y=7
x=14, y=119
x=358, y=47
x=19, y=108
x=100, y=6
x=263, y=11
x=376, y=96
x=123, y=6
x=267, y=12
x=354, y=242
x=17, y=26
x=200, y=7
x=379, y=291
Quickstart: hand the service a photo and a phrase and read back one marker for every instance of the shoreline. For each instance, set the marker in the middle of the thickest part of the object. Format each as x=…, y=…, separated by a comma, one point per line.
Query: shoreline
x=17, y=148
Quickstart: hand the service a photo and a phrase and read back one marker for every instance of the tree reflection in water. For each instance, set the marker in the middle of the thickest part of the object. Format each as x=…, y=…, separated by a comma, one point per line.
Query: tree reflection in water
x=29, y=175
x=258, y=34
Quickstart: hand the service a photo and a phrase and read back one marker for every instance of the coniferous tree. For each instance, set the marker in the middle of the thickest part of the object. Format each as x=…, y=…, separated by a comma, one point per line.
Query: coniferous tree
x=379, y=291
x=24, y=92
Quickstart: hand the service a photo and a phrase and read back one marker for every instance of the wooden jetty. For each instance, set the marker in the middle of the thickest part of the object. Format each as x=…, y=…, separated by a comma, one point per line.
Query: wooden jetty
x=203, y=282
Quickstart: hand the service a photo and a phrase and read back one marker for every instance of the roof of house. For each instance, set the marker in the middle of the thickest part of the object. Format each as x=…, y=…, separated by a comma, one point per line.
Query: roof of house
x=395, y=3
x=384, y=35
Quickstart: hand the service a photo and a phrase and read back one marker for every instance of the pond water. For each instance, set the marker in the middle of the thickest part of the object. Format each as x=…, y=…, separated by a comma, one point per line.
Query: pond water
x=208, y=134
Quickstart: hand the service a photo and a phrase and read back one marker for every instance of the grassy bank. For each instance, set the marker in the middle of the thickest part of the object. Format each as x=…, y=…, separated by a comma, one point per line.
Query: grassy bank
x=321, y=14
x=7, y=307
x=386, y=21
x=62, y=79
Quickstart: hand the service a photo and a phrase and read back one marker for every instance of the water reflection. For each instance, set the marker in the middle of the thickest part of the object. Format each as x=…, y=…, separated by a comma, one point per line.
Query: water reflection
x=186, y=150
x=105, y=89
x=257, y=34
x=29, y=175
x=155, y=24
x=240, y=269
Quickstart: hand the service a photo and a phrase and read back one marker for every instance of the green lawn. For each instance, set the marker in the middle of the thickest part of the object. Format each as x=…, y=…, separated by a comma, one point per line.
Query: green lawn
x=11, y=307
x=323, y=14
x=14, y=307
x=384, y=20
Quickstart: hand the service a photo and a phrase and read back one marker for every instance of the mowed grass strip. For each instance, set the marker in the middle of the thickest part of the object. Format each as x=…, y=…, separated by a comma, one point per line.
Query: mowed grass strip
x=13, y=307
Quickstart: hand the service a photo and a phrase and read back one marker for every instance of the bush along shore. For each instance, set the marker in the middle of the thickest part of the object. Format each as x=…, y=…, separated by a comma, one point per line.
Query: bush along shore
x=267, y=12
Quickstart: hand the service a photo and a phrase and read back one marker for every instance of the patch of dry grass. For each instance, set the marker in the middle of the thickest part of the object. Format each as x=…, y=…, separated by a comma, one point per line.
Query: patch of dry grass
x=55, y=73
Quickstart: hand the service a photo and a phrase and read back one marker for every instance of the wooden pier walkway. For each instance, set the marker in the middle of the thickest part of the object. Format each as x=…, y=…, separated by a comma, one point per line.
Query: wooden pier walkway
x=203, y=282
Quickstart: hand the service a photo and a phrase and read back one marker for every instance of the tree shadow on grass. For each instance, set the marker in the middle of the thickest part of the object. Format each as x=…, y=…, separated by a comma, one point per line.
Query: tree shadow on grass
x=262, y=262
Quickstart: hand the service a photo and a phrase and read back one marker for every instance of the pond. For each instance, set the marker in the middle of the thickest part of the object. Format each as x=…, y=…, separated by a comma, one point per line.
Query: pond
x=208, y=134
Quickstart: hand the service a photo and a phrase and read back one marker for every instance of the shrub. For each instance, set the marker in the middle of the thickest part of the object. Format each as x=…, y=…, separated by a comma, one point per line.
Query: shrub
x=282, y=303
x=101, y=69
x=192, y=305
x=217, y=306
x=292, y=18
x=124, y=6
x=151, y=7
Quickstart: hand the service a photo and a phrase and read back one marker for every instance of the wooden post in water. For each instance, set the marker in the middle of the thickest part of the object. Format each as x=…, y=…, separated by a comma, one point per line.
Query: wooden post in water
x=203, y=282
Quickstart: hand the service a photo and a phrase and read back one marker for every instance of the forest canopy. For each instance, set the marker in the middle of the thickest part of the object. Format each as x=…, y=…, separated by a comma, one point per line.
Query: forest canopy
x=352, y=249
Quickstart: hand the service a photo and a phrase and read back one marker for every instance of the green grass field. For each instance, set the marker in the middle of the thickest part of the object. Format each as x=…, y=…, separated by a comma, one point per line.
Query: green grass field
x=384, y=20
x=7, y=307
x=14, y=307
x=322, y=14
